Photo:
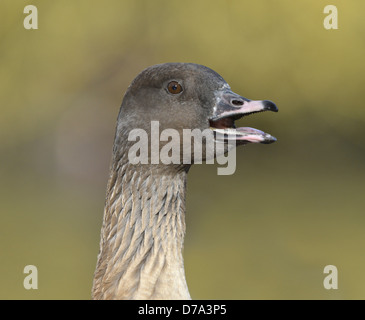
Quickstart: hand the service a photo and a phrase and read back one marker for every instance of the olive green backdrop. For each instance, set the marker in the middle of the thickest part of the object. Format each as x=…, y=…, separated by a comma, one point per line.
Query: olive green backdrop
x=267, y=231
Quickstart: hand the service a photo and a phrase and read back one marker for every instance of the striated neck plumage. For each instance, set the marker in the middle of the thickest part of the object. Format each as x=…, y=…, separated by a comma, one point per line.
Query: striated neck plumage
x=142, y=235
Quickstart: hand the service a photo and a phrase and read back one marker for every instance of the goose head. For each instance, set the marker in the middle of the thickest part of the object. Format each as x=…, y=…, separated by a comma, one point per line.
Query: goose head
x=187, y=96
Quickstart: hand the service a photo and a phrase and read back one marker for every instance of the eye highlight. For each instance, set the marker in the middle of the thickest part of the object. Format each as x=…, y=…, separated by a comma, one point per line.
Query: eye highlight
x=174, y=87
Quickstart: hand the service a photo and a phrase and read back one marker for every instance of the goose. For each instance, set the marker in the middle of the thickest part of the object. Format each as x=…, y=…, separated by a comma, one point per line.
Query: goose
x=143, y=226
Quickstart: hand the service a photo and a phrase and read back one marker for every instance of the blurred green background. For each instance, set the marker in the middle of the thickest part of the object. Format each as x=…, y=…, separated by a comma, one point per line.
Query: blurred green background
x=266, y=232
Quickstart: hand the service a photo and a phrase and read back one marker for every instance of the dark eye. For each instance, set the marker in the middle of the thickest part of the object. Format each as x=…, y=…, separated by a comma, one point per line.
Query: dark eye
x=174, y=87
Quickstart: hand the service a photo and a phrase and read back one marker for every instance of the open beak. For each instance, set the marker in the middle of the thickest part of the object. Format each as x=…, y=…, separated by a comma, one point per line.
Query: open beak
x=230, y=107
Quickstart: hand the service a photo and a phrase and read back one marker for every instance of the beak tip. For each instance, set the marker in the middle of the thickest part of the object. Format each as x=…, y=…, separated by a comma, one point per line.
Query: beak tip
x=269, y=105
x=269, y=139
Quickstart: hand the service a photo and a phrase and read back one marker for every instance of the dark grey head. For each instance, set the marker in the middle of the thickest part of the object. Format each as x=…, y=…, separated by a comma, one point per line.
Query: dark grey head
x=187, y=96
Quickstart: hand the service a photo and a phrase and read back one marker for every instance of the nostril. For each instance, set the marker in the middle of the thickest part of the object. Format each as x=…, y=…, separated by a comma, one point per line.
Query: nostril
x=237, y=102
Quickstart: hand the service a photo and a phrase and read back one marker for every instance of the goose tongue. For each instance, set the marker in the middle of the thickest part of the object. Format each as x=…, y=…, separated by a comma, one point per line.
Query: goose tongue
x=230, y=107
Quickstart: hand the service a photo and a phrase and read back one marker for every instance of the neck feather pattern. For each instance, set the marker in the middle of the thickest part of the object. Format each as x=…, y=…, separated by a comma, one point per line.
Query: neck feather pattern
x=142, y=235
